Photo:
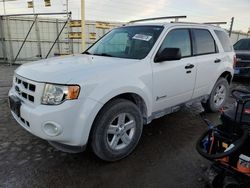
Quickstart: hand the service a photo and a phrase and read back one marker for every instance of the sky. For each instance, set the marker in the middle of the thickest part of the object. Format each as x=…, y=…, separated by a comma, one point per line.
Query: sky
x=123, y=11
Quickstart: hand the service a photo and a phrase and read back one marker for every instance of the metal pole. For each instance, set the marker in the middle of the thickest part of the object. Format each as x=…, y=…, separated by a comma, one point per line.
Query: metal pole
x=2, y=33
x=9, y=40
x=231, y=26
x=57, y=32
x=38, y=38
x=83, y=24
x=33, y=14
x=3, y=39
x=25, y=39
x=71, y=45
x=39, y=47
x=4, y=10
x=33, y=7
x=238, y=36
x=67, y=7
x=70, y=41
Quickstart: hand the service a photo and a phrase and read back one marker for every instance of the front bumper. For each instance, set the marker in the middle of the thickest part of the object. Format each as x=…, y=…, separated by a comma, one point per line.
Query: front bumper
x=74, y=119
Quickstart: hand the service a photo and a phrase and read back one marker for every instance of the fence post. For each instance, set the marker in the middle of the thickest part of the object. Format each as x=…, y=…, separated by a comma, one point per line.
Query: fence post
x=9, y=41
x=58, y=41
x=238, y=36
x=83, y=25
x=231, y=26
x=71, y=40
x=2, y=36
x=38, y=38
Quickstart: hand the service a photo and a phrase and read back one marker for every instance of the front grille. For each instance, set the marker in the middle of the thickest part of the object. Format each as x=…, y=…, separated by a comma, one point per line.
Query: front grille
x=24, y=89
x=26, y=85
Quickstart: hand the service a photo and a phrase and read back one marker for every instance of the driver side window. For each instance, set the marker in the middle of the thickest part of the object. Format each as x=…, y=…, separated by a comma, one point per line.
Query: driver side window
x=178, y=38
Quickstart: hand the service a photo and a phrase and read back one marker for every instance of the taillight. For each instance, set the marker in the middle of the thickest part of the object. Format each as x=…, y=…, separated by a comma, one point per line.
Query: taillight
x=247, y=111
x=235, y=61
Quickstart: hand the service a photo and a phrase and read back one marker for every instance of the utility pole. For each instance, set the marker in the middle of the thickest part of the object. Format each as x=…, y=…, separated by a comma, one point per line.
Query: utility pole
x=231, y=26
x=39, y=55
x=33, y=7
x=70, y=41
x=83, y=24
x=67, y=8
x=4, y=9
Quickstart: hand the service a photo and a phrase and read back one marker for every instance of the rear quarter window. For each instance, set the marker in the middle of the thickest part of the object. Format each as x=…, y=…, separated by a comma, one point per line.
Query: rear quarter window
x=224, y=40
x=204, y=42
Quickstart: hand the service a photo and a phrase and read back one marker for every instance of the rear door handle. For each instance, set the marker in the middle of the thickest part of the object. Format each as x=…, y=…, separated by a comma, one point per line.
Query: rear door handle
x=217, y=61
x=189, y=66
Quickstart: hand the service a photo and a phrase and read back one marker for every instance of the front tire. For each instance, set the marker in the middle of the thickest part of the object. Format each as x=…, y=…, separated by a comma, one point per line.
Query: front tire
x=218, y=96
x=117, y=130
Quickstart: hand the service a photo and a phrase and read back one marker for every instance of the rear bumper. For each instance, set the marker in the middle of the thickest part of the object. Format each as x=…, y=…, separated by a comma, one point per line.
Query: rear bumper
x=243, y=72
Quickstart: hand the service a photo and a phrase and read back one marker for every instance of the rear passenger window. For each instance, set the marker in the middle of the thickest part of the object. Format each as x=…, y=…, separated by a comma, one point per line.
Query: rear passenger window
x=178, y=38
x=204, y=42
x=224, y=40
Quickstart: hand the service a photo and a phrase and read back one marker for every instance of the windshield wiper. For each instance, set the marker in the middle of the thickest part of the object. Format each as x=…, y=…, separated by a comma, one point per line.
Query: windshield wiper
x=104, y=54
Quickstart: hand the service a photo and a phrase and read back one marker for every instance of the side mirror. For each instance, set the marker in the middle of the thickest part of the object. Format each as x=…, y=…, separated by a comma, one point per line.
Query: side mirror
x=168, y=54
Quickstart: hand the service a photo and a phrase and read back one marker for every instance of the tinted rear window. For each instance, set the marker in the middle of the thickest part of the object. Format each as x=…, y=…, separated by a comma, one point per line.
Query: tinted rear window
x=204, y=42
x=224, y=40
x=243, y=44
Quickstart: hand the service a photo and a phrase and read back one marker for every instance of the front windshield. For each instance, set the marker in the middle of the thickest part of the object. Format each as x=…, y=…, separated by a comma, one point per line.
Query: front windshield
x=133, y=42
x=243, y=44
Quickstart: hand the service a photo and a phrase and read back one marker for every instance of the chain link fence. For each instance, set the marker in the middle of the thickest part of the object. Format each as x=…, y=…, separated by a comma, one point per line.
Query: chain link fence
x=24, y=39
x=236, y=36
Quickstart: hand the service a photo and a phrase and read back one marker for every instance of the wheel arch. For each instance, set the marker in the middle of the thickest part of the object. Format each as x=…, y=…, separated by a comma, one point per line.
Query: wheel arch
x=134, y=98
x=228, y=76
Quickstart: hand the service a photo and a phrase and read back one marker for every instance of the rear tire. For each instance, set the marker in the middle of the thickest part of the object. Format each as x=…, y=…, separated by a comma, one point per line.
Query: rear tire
x=218, y=96
x=116, y=130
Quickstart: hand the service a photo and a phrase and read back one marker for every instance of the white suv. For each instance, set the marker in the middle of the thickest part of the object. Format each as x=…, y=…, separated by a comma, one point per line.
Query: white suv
x=132, y=75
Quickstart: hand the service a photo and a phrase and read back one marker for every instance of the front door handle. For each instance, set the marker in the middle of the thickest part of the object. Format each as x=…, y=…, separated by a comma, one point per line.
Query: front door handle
x=217, y=61
x=189, y=66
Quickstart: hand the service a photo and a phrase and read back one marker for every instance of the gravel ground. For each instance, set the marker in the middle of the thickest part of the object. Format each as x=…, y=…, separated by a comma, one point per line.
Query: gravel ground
x=165, y=156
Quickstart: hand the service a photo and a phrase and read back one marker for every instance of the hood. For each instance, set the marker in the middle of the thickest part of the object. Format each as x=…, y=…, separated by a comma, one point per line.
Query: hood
x=65, y=68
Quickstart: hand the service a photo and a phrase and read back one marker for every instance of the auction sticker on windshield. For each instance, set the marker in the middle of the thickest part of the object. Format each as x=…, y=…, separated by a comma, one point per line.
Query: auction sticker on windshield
x=142, y=37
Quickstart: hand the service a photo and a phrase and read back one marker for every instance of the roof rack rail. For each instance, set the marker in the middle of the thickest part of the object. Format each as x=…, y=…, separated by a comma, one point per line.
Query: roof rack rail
x=159, y=18
x=206, y=23
x=215, y=23
x=185, y=22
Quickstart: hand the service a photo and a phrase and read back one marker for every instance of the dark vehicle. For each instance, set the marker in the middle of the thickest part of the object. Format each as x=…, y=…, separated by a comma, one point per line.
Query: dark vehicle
x=242, y=49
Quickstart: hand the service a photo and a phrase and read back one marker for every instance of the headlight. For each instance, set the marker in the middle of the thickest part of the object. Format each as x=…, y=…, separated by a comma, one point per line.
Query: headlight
x=56, y=94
